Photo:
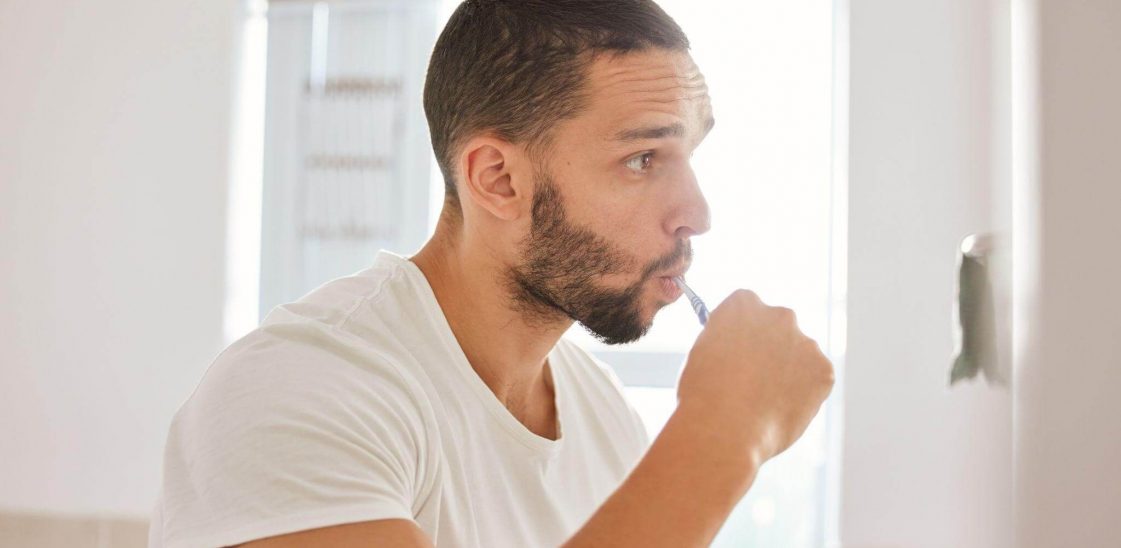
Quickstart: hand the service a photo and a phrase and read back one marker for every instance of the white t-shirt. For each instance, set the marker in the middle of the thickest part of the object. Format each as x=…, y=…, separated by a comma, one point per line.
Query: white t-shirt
x=356, y=403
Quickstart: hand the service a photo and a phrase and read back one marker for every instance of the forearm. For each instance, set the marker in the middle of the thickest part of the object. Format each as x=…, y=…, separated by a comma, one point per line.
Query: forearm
x=679, y=494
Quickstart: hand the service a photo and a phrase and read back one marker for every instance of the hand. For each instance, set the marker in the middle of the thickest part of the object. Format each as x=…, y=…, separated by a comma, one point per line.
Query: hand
x=753, y=378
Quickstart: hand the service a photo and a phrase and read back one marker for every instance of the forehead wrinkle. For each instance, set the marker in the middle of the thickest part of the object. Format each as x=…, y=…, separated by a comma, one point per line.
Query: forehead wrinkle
x=684, y=88
x=671, y=88
x=650, y=71
x=641, y=84
x=661, y=95
x=692, y=85
x=684, y=79
x=700, y=93
x=662, y=65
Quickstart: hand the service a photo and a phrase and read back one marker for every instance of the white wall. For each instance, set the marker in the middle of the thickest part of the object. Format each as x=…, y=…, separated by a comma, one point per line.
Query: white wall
x=924, y=465
x=114, y=135
x=1068, y=409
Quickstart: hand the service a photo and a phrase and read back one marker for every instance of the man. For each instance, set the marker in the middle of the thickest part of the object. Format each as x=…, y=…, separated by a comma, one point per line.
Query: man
x=431, y=400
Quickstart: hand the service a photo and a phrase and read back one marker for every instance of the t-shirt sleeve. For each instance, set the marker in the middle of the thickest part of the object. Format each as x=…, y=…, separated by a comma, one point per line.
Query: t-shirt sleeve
x=284, y=435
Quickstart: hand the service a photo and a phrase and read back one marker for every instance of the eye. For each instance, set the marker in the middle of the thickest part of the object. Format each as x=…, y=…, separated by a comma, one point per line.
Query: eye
x=641, y=162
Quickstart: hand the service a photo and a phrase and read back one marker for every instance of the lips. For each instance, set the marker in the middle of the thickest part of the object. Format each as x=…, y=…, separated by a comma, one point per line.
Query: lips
x=669, y=288
x=679, y=273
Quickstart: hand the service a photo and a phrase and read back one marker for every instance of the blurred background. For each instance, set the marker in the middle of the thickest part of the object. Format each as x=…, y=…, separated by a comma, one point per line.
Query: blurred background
x=170, y=171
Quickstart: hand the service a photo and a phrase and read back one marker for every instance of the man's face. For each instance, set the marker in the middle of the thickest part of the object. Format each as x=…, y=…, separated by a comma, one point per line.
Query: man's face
x=615, y=200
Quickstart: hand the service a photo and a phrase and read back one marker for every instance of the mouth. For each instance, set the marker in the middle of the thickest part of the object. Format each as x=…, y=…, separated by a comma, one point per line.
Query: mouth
x=677, y=273
x=669, y=288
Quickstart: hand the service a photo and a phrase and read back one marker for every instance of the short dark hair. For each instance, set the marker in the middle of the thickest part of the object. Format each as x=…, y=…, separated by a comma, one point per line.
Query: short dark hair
x=517, y=67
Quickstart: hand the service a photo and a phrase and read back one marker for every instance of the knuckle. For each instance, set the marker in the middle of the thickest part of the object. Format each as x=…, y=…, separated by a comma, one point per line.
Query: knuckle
x=829, y=374
x=785, y=314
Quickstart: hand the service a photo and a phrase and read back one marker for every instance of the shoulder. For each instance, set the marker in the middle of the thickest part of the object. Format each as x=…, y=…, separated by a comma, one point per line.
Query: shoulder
x=305, y=372
x=334, y=302
x=304, y=358
x=303, y=390
x=292, y=424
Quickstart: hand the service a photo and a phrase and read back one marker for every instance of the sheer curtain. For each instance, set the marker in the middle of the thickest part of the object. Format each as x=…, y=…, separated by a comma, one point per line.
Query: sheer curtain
x=346, y=150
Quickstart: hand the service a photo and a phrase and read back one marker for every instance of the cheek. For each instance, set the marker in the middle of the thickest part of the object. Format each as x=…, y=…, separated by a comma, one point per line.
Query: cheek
x=631, y=233
x=624, y=213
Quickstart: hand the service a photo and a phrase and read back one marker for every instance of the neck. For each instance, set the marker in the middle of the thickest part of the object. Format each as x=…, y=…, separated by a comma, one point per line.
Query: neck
x=508, y=353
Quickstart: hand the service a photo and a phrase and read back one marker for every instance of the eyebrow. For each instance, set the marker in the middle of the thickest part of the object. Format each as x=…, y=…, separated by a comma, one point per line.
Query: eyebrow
x=676, y=130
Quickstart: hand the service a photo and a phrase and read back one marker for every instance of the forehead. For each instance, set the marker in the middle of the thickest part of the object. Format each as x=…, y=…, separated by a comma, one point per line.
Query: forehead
x=652, y=85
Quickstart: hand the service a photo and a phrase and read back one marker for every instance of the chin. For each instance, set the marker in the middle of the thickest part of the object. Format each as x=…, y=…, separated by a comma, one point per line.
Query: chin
x=657, y=302
x=650, y=312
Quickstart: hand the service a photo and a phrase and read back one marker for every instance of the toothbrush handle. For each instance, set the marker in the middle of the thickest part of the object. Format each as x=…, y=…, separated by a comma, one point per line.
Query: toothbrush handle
x=698, y=305
x=700, y=308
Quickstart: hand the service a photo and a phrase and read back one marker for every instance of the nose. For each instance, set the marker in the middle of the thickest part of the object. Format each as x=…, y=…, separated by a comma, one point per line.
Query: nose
x=690, y=214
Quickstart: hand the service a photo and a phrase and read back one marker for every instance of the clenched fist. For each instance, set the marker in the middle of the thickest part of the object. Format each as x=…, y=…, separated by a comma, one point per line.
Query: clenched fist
x=752, y=378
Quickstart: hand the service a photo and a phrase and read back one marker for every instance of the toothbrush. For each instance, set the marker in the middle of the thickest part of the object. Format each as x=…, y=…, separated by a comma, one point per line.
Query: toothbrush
x=698, y=305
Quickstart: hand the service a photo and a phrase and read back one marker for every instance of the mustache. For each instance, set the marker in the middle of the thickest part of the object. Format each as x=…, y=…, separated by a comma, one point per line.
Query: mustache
x=683, y=251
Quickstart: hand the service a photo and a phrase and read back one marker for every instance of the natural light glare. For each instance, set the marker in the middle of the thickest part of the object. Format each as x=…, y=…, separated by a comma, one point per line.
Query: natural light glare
x=243, y=227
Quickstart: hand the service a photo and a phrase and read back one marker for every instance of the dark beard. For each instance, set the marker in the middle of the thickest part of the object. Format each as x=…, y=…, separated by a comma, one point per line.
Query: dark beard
x=559, y=266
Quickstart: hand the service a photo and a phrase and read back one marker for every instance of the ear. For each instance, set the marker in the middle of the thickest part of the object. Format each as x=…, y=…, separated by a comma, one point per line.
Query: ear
x=490, y=178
